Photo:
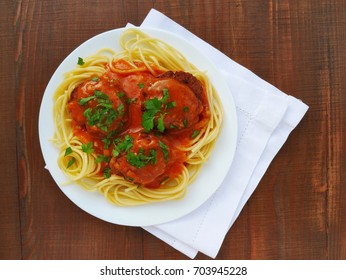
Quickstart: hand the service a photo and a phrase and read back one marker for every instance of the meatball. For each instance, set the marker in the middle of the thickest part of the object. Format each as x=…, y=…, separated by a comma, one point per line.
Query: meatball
x=186, y=78
x=99, y=106
x=141, y=158
x=181, y=107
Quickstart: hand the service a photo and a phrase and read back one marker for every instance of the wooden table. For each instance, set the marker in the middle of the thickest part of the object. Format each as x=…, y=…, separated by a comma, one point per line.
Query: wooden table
x=299, y=208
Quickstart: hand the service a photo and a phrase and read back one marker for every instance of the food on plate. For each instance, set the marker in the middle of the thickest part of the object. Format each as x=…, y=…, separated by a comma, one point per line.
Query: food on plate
x=136, y=125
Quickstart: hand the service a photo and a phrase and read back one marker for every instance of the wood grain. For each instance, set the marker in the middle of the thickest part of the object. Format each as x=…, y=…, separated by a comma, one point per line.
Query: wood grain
x=298, y=210
x=10, y=244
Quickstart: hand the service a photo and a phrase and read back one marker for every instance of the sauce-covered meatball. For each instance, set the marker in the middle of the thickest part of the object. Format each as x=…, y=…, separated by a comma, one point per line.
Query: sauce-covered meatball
x=181, y=108
x=140, y=157
x=99, y=106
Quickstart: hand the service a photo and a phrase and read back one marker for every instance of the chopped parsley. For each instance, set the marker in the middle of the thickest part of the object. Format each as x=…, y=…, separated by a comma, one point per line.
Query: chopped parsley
x=148, y=120
x=103, y=114
x=95, y=79
x=68, y=151
x=80, y=61
x=84, y=101
x=171, y=105
x=195, y=134
x=141, y=85
x=120, y=109
x=140, y=160
x=108, y=140
x=165, y=95
x=107, y=172
x=160, y=124
x=164, y=149
x=121, y=94
x=153, y=104
x=185, y=123
x=131, y=100
x=70, y=162
x=88, y=148
x=99, y=95
x=153, y=107
x=101, y=158
x=122, y=145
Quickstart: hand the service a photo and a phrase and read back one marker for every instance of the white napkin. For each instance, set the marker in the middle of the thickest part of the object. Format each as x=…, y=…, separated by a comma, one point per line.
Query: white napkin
x=266, y=116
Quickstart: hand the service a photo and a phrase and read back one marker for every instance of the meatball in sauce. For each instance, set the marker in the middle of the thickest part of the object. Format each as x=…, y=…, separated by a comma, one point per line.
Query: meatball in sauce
x=138, y=123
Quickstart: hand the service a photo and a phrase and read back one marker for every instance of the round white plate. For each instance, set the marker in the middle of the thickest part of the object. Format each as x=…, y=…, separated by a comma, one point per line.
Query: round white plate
x=208, y=180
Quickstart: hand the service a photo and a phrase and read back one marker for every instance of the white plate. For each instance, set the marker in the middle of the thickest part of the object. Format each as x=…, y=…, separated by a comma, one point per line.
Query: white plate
x=208, y=180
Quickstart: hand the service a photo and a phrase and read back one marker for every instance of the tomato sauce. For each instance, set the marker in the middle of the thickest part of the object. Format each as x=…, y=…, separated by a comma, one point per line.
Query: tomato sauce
x=138, y=123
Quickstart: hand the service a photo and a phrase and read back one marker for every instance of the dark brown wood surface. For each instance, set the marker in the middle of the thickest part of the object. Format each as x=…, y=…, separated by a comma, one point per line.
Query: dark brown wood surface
x=299, y=208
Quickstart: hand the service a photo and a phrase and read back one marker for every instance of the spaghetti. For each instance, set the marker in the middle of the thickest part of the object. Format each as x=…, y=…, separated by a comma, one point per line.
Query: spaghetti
x=136, y=125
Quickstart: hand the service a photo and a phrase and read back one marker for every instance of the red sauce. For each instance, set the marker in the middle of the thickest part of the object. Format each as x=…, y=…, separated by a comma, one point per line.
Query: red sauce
x=138, y=122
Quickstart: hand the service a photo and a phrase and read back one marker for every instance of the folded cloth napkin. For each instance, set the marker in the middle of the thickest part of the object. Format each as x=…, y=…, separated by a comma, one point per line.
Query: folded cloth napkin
x=266, y=116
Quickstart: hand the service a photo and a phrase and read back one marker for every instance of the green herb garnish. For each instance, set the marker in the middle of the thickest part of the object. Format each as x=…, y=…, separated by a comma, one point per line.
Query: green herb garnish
x=122, y=145
x=165, y=95
x=164, y=149
x=101, y=158
x=103, y=114
x=95, y=79
x=68, y=151
x=88, y=148
x=121, y=94
x=195, y=134
x=80, y=61
x=120, y=109
x=148, y=120
x=171, y=105
x=185, y=123
x=107, y=172
x=160, y=124
x=131, y=100
x=140, y=160
x=84, y=101
x=153, y=107
x=71, y=161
